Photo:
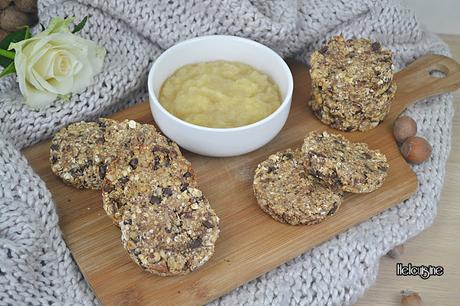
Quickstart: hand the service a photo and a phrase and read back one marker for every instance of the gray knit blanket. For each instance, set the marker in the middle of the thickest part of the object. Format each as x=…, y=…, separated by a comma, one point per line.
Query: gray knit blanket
x=36, y=266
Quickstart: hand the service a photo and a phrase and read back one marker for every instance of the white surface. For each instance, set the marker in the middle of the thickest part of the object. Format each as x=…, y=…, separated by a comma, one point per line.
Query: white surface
x=212, y=141
x=441, y=16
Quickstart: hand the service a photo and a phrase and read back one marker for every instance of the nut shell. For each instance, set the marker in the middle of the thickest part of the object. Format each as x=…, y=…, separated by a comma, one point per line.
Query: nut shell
x=5, y=3
x=403, y=128
x=409, y=298
x=11, y=19
x=416, y=150
x=396, y=252
x=3, y=34
x=26, y=6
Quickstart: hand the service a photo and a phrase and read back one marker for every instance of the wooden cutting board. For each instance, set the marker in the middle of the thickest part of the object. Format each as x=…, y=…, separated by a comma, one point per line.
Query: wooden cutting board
x=251, y=243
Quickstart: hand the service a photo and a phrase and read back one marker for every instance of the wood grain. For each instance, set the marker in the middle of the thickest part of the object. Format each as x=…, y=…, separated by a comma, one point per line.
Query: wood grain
x=251, y=243
x=437, y=245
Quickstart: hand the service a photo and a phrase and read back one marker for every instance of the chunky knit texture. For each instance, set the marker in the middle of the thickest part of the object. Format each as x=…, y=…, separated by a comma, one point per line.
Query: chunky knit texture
x=37, y=268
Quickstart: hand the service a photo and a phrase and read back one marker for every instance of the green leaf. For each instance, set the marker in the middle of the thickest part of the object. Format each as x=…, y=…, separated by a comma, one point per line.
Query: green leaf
x=80, y=25
x=27, y=34
x=7, y=54
x=8, y=70
x=12, y=38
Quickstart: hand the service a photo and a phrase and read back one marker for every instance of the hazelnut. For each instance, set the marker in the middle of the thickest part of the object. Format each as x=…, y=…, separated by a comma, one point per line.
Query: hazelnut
x=5, y=3
x=396, y=252
x=26, y=6
x=11, y=19
x=403, y=128
x=416, y=150
x=410, y=298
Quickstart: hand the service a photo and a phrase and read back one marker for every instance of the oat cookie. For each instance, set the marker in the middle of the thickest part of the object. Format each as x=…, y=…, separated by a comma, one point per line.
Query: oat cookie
x=128, y=134
x=170, y=231
x=77, y=153
x=370, y=108
x=289, y=194
x=352, y=167
x=358, y=115
x=352, y=69
x=81, y=152
x=154, y=163
x=352, y=82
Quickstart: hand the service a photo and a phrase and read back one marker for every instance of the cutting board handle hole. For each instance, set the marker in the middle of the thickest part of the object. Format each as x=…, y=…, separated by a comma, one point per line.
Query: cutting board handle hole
x=438, y=70
x=438, y=73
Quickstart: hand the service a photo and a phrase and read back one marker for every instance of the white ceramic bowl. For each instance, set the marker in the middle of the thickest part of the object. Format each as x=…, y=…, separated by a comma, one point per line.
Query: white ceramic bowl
x=220, y=141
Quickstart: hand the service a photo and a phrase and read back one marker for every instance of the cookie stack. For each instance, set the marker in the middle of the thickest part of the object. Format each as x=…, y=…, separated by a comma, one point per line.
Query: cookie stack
x=352, y=83
x=148, y=189
x=307, y=185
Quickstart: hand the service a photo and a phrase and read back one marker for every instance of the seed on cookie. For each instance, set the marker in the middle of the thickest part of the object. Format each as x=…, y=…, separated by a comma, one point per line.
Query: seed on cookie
x=352, y=167
x=175, y=235
x=286, y=192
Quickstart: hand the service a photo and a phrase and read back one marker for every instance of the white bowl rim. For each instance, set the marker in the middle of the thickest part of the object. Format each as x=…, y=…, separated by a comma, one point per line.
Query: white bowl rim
x=234, y=129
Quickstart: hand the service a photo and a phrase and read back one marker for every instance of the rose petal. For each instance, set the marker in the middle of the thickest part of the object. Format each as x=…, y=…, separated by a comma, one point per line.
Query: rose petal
x=45, y=65
x=32, y=79
x=20, y=63
x=84, y=78
x=38, y=99
x=97, y=61
x=73, y=65
x=62, y=87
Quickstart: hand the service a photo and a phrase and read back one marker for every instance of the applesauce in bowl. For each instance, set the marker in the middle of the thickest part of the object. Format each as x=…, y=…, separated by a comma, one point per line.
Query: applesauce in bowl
x=224, y=141
x=220, y=94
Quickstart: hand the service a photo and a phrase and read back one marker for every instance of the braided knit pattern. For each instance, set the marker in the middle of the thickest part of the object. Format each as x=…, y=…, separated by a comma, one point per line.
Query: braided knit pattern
x=36, y=266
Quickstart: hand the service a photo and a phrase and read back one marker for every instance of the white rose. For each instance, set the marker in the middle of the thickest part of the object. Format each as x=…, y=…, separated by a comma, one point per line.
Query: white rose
x=55, y=63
